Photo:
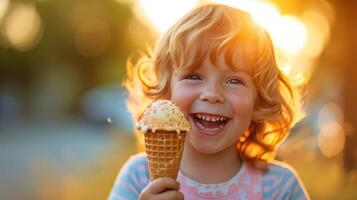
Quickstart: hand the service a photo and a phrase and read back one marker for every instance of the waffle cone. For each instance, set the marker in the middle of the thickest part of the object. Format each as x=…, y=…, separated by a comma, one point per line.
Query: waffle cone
x=164, y=152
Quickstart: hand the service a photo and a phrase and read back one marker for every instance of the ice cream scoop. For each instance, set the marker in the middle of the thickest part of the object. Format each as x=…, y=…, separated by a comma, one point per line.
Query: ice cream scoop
x=163, y=115
x=165, y=127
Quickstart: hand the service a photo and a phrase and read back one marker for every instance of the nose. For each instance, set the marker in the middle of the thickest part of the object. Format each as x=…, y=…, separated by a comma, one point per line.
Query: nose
x=212, y=94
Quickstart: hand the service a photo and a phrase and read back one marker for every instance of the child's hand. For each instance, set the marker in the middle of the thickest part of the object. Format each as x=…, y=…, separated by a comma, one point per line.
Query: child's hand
x=162, y=188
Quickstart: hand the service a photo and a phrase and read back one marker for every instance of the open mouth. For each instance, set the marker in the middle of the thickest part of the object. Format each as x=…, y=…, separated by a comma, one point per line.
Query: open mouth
x=209, y=124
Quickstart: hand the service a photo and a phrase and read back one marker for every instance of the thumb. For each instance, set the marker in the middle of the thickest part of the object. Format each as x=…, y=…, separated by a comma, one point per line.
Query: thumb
x=164, y=183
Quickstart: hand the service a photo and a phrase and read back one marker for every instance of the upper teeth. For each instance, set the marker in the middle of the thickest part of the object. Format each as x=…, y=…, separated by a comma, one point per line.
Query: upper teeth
x=210, y=118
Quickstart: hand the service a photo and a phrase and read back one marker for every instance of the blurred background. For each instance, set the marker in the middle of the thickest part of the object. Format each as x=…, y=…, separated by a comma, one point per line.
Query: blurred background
x=64, y=127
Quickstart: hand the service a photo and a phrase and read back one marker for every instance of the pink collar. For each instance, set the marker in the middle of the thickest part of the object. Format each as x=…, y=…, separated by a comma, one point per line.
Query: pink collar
x=245, y=184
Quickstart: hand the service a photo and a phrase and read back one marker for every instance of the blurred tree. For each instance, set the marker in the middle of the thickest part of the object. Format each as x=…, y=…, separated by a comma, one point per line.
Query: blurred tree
x=343, y=47
x=84, y=45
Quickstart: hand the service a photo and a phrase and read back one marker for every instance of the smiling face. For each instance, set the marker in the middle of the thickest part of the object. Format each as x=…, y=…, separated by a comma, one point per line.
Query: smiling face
x=218, y=102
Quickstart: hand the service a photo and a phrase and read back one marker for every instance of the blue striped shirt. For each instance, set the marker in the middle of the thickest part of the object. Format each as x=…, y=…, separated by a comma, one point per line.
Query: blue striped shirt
x=279, y=182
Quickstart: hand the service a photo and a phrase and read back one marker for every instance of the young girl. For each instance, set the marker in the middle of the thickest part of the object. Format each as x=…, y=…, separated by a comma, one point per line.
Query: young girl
x=219, y=67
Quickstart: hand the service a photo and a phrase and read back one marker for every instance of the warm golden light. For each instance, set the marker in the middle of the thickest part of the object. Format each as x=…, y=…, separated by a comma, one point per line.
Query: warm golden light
x=297, y=41
x=268, y=156
x=325, y=8
x=263, y=12
x=22, y=27
x=4, y=4
x=270, y=139
x=289, y=34
x=318, y=29
x=331, y=139
x=301, y=78
x=246, y=5
x=253, y=150
x=286, y=68
x=284, y=61
x=266, y=15
x=162, y=13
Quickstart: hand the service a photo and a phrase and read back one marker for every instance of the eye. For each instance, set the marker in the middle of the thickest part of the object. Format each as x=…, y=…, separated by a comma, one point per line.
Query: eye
x=192, y=77
x=234, y=81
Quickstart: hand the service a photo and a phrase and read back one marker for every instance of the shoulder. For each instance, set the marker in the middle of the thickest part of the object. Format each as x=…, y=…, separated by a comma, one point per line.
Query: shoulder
x=135, y=166
x=137, y=160
x=278, y=168
x=132, y=178
x=281, y=181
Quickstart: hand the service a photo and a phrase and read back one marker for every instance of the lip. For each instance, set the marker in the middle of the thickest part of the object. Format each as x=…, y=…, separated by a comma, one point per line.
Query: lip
x=205, y=132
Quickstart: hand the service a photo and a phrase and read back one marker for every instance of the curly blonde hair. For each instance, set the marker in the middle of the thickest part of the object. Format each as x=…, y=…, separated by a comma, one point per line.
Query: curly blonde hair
x=213, y=30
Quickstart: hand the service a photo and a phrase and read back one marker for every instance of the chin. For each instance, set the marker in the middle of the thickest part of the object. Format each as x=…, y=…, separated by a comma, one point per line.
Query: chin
x=205, y=148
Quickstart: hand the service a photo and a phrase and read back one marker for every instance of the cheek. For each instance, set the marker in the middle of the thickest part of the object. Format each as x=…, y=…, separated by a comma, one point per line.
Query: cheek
x=243, y=105
x=183, y=96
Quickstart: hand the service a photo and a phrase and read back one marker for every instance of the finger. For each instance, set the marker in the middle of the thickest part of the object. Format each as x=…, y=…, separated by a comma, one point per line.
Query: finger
x=170, y=194
x=162, y=184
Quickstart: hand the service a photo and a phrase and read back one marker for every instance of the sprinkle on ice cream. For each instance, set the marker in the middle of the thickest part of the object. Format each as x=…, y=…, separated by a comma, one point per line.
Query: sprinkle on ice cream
x=163, y=115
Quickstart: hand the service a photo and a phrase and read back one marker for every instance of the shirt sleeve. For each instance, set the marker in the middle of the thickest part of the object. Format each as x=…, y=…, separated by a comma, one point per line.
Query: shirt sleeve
x=283, y=183
x=131, y=180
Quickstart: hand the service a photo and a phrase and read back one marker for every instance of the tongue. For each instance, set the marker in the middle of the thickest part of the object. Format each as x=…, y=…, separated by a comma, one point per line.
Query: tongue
x=210, y=124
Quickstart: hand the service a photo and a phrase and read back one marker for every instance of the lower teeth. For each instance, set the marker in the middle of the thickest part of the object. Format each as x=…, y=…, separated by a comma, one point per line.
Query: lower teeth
x=209, y=129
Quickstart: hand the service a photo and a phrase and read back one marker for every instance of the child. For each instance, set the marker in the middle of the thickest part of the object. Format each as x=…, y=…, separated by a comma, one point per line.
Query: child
x=219, y=67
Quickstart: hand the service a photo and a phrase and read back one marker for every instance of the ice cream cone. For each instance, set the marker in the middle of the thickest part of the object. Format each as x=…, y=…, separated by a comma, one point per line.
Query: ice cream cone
x=164, y=152
x=165, y=128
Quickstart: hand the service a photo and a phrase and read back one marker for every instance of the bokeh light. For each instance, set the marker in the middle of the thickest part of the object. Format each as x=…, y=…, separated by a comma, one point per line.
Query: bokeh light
x=331, y=139
x=266, y=15
x=330, y=112
x=324, y=8
x=270, y=139
x=289, y=34
x=318, y=29
x=253, y=150
x=300, y=78
x=22, y=26
x=161, y=13
x=4, y=4
x=246, y=5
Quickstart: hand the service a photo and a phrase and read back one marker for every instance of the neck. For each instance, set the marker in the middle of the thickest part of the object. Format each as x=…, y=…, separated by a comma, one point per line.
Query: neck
x=220, y=166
